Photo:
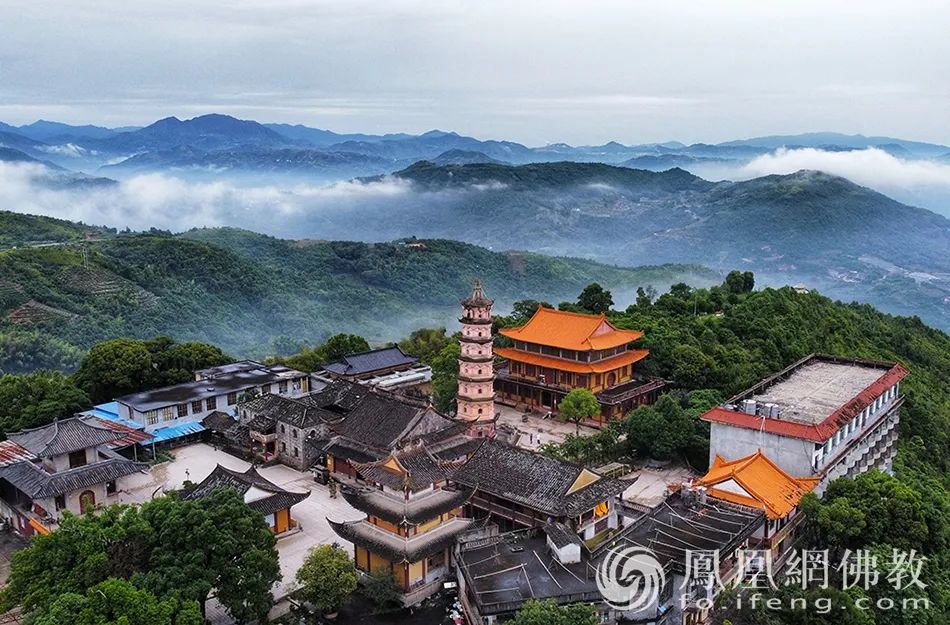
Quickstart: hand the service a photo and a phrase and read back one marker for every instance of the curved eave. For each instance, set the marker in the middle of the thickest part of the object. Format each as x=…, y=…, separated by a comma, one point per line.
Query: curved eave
x=410, y=513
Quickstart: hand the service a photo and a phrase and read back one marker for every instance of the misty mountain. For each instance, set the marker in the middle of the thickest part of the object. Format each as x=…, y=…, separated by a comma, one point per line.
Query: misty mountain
x=322, y=138
x=809, y=227
x=249, y=161
x=207, y=132
x=10, y=155
x=57, y=132
x=464, y=157
x=856, y=142
x=243, y=290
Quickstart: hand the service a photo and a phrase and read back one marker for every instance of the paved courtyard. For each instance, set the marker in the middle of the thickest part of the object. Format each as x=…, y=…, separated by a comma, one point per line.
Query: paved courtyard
x=195, y=462
x=536, y=430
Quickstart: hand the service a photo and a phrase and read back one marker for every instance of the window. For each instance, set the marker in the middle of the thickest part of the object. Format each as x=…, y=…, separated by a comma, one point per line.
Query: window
x=60, y=502
x=265, y=389
x=282, y=387
x=232, y=399
x=151, y=417
x=211, y=403
x=196, y=407
x=110, y=488
x=283, y=429
x=182, y=410
x=168, y=413
x=293, y=433
x=77, y=459
x=296, y=452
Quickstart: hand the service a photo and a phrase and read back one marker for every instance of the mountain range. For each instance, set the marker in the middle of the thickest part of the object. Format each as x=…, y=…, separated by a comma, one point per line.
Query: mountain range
x=606, y=203
x=216, y=145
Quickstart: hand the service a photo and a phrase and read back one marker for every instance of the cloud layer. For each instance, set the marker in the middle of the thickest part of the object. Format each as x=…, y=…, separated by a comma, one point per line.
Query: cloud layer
x=161, y=201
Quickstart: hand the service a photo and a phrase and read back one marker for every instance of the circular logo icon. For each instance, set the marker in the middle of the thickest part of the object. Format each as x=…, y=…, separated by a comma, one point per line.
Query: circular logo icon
x=630, y=578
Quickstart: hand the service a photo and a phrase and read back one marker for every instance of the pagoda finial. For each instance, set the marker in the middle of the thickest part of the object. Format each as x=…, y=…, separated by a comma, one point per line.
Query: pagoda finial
x=478, y=297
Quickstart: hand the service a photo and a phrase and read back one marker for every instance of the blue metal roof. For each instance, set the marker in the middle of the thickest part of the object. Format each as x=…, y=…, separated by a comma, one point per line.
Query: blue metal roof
x=110, y=412
x=176, y=431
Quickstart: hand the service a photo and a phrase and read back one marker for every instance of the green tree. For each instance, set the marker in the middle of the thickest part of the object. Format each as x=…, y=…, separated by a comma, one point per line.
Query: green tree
x=873, y=508
x=740, y=282
x=548, y=612
x=115, y=368
x=425, y=343
x=339, y=345
x=327, y=577
x=24, y=352
x=645, y=296
x=216, y=542
x=34, y=399
x=578, y=405
x=118, y=602
x=169, y=547
x=594, y=298
x=445, y=374
x=175, y=363
x=383, y=591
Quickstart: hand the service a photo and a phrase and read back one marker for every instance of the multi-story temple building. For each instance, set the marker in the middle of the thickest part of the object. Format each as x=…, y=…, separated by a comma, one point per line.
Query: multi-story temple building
x=414, y=517
x=475, y=401
x=557, y=351
x=823, y=416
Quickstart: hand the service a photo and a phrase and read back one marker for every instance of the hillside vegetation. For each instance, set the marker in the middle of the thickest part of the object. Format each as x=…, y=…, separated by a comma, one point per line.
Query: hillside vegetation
x=248, y=292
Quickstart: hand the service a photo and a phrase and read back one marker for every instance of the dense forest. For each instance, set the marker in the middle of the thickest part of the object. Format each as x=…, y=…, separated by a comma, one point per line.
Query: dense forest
x=64, y=287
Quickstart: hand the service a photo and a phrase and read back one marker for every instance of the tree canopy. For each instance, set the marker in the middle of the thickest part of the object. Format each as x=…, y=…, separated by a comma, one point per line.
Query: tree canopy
x=548, y=612
x=33, y=399
x=170, y=548
x=327, y=577
x=595, y=299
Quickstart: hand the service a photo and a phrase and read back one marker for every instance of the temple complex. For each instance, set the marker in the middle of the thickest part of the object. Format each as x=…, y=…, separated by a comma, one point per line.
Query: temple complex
x=476, y=390
x=556, y=352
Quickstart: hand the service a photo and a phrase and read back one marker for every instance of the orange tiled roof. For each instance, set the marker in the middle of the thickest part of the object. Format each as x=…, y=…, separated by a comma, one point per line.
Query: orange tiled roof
x=602, y=366
x=569, y=330
x=766, y=485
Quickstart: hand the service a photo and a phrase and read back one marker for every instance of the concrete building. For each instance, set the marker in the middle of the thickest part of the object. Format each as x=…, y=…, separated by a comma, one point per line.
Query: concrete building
x=175, y=411
x=823, y=416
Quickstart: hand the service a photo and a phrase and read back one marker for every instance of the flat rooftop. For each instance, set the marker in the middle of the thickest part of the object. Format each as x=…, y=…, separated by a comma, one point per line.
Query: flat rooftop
x=221, y=384
x=817, y=389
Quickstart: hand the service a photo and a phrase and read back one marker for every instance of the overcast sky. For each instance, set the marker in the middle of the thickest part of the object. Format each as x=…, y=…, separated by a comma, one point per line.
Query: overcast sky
x=578, y=71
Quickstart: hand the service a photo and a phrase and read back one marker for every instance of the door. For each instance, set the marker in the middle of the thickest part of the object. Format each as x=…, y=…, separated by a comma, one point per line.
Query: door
x=87, y=501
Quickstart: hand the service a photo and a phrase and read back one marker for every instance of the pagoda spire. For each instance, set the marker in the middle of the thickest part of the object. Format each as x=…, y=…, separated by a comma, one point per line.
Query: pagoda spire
x=475, y=399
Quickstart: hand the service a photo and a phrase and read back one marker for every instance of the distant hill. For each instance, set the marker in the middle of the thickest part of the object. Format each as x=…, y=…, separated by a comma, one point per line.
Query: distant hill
x=51, y=132
x=464, y=157
x=807, y=227
x=830, y=139
x=242, y=290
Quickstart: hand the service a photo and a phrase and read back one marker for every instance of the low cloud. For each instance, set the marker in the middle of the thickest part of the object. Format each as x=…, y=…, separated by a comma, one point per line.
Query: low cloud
x=162, y=201
x=871, y=167
x=924, y=183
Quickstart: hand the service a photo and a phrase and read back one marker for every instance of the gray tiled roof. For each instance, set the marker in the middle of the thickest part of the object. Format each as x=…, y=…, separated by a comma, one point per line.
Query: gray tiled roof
x=368, y=362
x=39, y=484
x=372, y=501
x=63, y=436
x=400, y=549
x=533, y=480
x=294, y=412
x=338, y=397
x=242, y=482
x=384, y=422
